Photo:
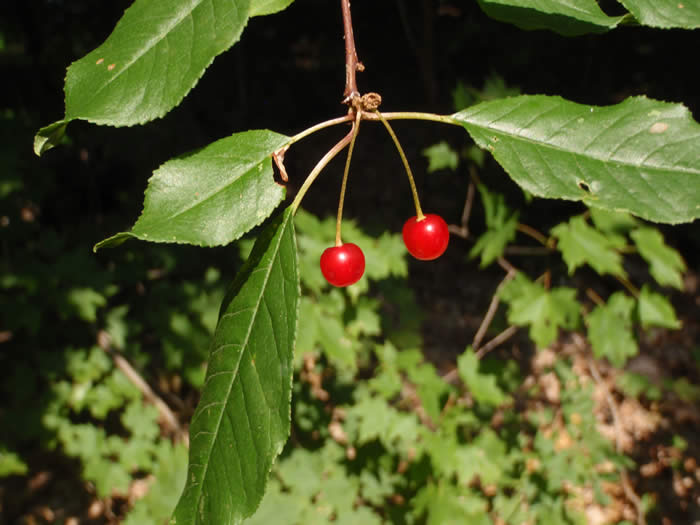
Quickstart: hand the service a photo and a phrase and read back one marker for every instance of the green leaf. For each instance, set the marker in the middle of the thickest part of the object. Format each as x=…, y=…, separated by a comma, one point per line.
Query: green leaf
x=485, y=457
x=501, y=227
x=483, y=387
x=267, y=7
x=687, y=391
x=640, y=156
x=581, y=244
x=666, y=264
x=49, y=136
x=86, y=302
x=242, y=420
x=153, y=58
x=446, y=504
x=169, y=471
x=11, y=463
x=212, y=196
x=634, y=385
x=612, y=221
x=544, y=310
x=440, y=157
x=566, y=17
x=665, y=13
x=656, y=310
x=610, y=329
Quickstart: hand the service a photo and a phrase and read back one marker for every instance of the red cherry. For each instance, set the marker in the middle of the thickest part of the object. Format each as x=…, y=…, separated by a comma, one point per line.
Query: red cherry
x=426, y=239
x=343, y=265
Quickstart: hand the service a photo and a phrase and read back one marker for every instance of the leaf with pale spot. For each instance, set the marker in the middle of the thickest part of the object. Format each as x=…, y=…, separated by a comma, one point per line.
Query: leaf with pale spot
x=641, y=156
x=155, y=55
x=665, y=13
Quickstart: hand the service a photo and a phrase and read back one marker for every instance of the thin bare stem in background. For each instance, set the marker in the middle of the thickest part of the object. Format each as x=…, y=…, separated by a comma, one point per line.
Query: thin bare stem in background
x=463, y=229
x=491, y=312
x=503, y=263
x=167, y=416
x=497, y=341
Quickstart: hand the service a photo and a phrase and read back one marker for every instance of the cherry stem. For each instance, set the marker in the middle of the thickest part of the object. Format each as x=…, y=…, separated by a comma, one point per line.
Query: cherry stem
x=419, y=212
x=319, y=167
x=355, y=130
x=402, y=115
x=364, y=115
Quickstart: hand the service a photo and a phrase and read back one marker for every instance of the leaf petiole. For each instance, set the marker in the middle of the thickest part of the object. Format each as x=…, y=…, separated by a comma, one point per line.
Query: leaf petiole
x=363, y=115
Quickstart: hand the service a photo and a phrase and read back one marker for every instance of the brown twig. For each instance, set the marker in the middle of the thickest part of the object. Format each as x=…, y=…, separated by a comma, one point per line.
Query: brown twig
x=453, y=375
x=491, y=312
x=463, y=229
x=593, y=296
x=496, y=341
x=352, y=64
x=532, y=232
x=624, y=478
x=168, y=417
x=527, y=250
x=630, y=287
x=503, y=263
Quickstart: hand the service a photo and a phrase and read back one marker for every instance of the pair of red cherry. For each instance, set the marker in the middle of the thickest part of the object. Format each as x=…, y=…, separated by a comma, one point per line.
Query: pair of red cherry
x=425, y=239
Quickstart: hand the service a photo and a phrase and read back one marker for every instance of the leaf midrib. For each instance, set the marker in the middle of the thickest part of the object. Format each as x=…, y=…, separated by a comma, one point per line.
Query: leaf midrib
x=210, y=195
x=245, y=346
x=548, y=145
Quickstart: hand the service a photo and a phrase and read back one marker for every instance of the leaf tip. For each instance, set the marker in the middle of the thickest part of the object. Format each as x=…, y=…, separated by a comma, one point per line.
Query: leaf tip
x=49, y=137
x=113, y=241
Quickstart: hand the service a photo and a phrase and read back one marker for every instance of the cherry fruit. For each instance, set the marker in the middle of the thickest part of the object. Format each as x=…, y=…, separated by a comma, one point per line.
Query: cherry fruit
x=343, y=265
x=426, y=239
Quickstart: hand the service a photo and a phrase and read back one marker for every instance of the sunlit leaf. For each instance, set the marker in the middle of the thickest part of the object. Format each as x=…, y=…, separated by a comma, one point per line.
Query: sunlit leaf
x=153, y=58
x=567, y=17
x=581, y=244
x=483, y=387
x=501, y=226
x=641, y=156
x=545, y=311
x=656, y=310
x=267, y=7
x=665, y=13
x=612, y=221
x=447, y=504
x=169, y=471
x=610, y=329
x=242, y=420
x=212, y=196
x=665, y=264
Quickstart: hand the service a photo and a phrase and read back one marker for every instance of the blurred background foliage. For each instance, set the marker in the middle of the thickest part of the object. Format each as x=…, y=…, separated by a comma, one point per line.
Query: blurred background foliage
x=78, y=439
